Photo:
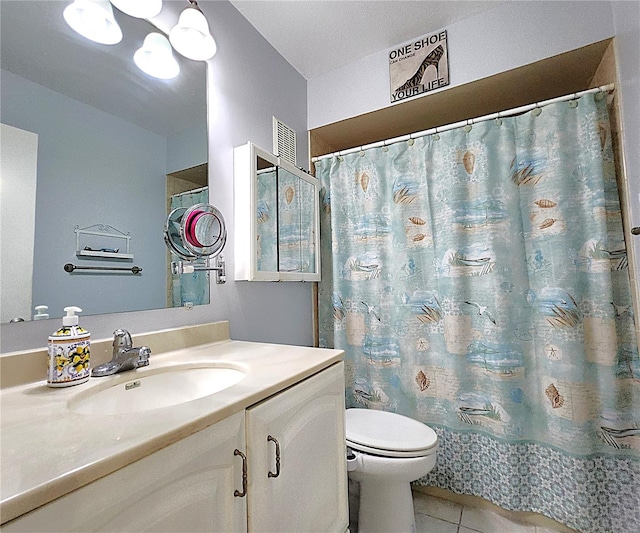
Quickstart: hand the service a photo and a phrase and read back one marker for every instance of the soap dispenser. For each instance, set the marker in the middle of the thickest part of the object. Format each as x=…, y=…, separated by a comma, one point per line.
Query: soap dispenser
x=69, y=352
x=41, y=312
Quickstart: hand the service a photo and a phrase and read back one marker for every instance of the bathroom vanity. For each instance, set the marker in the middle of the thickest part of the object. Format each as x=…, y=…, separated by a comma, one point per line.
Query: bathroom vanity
x=266, y=453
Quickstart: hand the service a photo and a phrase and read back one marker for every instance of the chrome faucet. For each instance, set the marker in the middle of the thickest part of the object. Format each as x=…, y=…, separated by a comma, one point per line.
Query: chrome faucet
x=125, y=356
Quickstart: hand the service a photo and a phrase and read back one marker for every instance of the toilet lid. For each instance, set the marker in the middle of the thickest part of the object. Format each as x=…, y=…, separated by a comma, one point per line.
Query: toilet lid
x=372, y=431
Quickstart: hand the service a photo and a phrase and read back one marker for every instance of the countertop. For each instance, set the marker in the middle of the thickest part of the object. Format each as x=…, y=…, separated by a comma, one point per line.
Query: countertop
x=48, y=451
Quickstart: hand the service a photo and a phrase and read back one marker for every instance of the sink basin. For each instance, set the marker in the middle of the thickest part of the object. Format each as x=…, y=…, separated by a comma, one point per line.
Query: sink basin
x=165, y=388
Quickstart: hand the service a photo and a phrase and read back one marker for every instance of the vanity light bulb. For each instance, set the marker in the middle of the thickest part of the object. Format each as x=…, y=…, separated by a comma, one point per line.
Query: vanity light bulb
x=191, y=37
x=142, y=9
x=156, y=59
x=94, y=20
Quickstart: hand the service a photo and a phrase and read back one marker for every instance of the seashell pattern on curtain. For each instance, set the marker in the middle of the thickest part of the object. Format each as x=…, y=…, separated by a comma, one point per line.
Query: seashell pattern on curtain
x=478, y=282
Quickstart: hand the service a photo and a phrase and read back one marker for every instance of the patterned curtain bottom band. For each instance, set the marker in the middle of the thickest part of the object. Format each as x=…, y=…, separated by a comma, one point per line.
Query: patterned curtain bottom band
x=597, y=494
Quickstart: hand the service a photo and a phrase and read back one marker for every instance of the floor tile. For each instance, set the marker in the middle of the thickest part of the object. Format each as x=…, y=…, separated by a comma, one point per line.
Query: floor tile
x=437, y=507
x=463, y=529
x=430, y=524
x=489, y=522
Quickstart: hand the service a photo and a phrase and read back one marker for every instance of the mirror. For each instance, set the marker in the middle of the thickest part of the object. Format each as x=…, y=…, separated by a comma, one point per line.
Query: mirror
x=195, y=233
x=110, y=145
x=276, y=210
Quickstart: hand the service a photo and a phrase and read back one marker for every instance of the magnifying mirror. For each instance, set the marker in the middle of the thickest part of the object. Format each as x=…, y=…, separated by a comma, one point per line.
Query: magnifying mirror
x=195, y=232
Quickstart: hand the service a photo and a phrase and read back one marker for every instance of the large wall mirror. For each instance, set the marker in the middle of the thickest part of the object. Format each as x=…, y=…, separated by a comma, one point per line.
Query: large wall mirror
x=114, y=149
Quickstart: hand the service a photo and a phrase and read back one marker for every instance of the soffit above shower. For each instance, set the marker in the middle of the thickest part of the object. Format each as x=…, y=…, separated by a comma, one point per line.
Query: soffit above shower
x=555, y=76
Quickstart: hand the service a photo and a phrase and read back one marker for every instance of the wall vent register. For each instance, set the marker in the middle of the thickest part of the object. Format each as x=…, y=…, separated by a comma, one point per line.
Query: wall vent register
x=284, y=141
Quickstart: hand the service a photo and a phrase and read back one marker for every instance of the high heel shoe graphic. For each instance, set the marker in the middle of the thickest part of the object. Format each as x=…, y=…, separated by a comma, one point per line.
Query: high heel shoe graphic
x=432, y=59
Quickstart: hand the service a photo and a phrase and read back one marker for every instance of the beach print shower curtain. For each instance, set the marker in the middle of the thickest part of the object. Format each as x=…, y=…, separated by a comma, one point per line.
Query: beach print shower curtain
x=478, y=281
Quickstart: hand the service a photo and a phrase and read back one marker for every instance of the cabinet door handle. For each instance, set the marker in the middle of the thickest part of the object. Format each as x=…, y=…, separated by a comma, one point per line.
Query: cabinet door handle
x=237, y=493
x=275, y=441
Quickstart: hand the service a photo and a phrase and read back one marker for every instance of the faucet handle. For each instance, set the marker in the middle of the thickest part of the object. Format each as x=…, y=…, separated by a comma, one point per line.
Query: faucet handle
x=143, y=356
x=122, y=339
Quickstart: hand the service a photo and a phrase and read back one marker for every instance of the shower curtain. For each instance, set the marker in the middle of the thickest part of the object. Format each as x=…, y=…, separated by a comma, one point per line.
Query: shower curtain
x=478, y=282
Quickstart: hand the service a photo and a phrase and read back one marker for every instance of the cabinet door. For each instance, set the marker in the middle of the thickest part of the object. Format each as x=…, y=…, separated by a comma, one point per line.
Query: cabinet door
x=296, y=455
x=188, y=486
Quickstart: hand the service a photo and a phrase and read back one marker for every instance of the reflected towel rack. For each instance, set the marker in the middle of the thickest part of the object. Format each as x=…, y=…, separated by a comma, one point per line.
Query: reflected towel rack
x=70, y=267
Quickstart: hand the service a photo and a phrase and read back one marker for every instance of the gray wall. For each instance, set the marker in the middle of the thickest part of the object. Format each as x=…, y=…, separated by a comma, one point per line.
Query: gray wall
x=93, y=168
x=248, y=83
x=187, y=149
x=508, y=36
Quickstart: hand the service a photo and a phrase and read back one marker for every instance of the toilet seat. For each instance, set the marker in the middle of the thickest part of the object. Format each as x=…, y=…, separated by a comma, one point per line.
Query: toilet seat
x=388, y=434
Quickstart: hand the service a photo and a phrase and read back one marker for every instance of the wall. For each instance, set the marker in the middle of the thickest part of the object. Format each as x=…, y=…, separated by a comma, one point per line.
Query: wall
x=509, y=36
x=93, y=168
x=18, y=169
x=187, y=149
x=248, y=83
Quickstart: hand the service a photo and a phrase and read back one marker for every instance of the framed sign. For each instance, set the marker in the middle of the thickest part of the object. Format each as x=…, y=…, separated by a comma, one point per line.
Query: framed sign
x=419, y=66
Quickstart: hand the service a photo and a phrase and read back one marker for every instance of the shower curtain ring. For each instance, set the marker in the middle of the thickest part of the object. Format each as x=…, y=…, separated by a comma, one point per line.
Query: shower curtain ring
x=536, y=111
x=468, y=127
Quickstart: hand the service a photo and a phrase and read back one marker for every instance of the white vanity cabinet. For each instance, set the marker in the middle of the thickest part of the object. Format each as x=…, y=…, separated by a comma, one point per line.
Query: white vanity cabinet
x=187, y=486
x=296, y=455
x=196, y=484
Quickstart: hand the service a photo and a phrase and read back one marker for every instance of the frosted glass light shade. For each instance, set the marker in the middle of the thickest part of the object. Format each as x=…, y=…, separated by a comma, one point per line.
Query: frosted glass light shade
x=141, y=9
x=156, y=58
x=94, y=20
x=191, y=37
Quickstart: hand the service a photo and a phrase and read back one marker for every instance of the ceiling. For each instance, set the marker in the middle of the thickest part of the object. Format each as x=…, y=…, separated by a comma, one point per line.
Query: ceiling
x=318, y=36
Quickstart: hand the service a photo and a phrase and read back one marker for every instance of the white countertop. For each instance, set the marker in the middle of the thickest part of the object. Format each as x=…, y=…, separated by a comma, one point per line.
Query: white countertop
x=48, y=451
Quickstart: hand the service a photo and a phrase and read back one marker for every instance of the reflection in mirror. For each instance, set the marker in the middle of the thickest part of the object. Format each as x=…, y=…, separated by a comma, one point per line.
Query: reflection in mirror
x=296, y=222
x=267, y=219
x=105, y=143
x=183, y=192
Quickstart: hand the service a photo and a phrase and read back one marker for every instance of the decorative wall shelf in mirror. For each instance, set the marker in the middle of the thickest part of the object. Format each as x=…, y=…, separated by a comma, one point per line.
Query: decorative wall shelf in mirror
x=276, y=206
x=109, y=145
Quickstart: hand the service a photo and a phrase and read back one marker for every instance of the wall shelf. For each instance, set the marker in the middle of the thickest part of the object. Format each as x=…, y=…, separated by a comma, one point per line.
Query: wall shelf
x=107, y=255
x=103, y=241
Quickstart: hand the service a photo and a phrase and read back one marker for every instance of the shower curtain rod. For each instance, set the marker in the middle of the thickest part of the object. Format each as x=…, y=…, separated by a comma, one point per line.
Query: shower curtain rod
x=501, y=114
x=192, y=191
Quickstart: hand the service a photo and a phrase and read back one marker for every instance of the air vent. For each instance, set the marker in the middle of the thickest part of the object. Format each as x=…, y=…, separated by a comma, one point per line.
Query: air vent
x=284, y=141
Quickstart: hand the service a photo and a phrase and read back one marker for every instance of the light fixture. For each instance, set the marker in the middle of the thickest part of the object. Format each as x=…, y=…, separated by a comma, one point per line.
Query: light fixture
x=191, y=37
x=142, y=9
x=156, y=59
x=94, y=20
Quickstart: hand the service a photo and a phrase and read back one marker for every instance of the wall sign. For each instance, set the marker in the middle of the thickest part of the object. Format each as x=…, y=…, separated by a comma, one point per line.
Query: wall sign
x=419, y=66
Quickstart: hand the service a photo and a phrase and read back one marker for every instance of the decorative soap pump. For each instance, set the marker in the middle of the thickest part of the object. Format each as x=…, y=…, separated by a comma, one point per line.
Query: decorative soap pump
x=41, y=312
x=69, y=352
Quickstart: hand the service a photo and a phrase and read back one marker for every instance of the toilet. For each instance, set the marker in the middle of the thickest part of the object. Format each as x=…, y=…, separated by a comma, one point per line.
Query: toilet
x=385, y=453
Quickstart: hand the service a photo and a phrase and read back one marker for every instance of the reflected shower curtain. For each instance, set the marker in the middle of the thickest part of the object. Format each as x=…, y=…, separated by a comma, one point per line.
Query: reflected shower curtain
x=478, y=282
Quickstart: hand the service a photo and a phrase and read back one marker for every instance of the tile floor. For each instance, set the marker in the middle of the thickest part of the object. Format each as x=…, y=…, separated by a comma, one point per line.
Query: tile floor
x=436, y=515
